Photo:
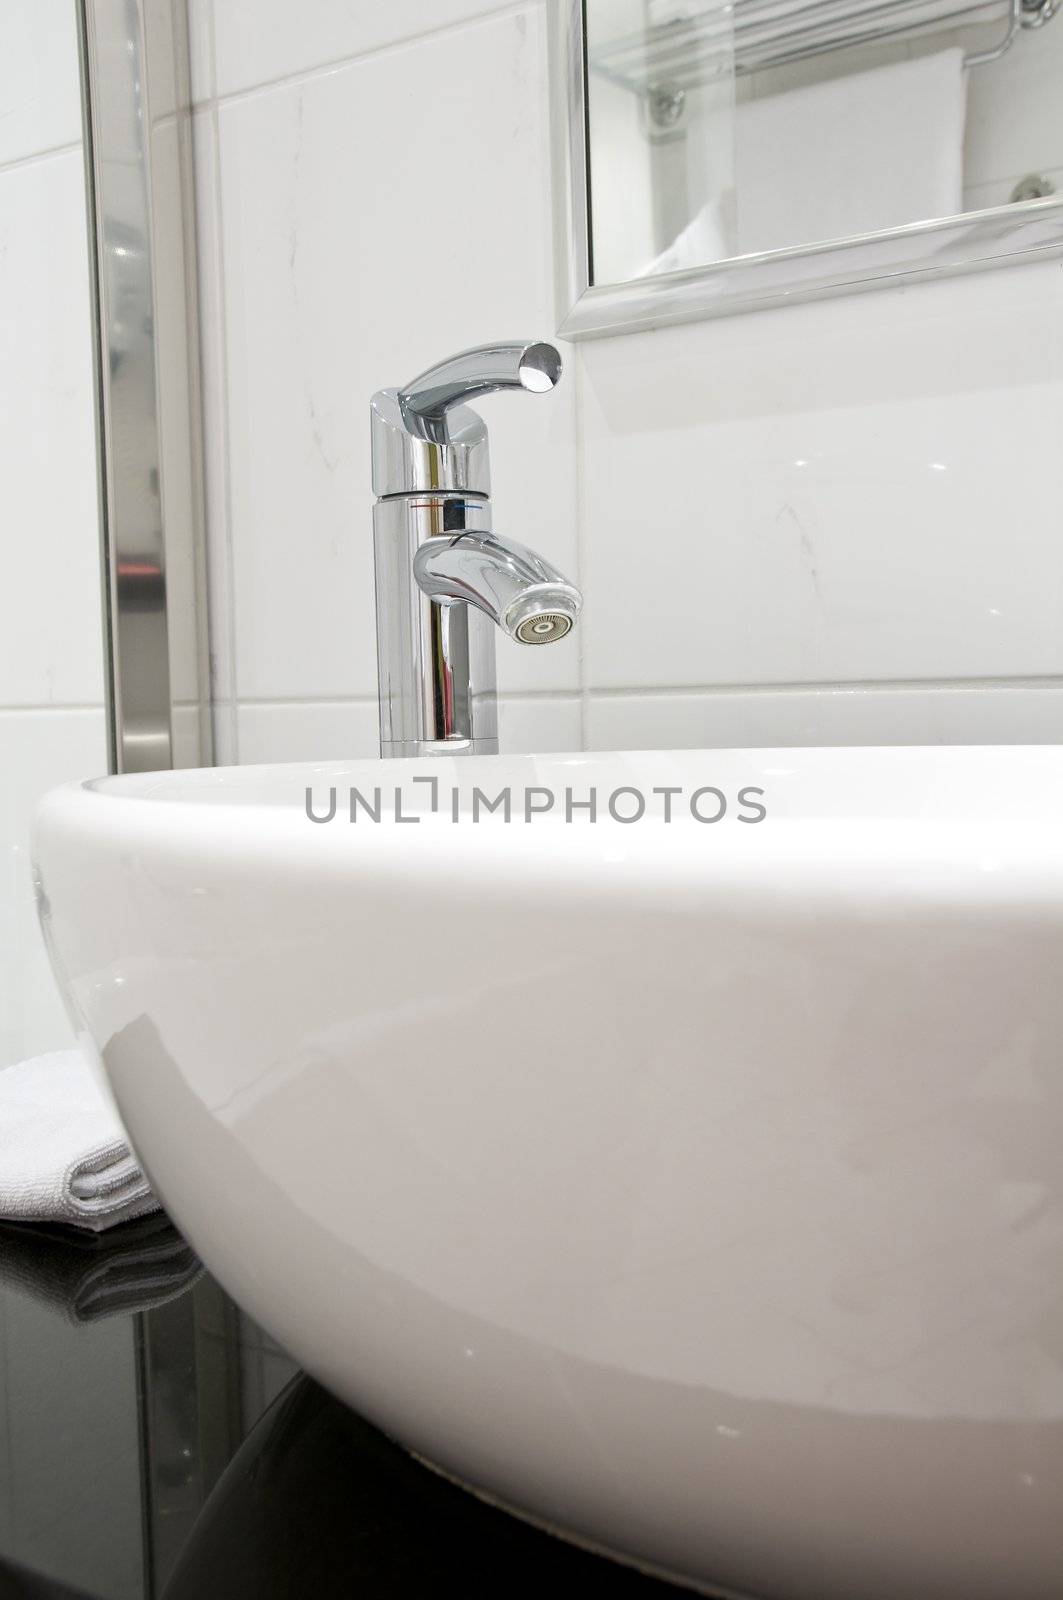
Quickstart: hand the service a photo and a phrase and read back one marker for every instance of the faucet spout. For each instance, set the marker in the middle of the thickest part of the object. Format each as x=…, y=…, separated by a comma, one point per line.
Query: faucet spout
x=527, y=597
x=426, y=399
x=445, y=582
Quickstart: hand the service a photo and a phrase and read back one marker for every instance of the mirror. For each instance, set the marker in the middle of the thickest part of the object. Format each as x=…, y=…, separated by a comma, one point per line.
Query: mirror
x=722, y=155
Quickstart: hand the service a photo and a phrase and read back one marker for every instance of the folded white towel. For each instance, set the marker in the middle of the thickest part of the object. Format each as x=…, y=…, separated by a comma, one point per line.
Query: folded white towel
x=64, y=1155
x=856, y=154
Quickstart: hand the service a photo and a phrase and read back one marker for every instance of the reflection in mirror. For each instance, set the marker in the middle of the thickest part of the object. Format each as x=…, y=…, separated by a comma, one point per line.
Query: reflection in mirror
x=722, y=130
x=661, y=139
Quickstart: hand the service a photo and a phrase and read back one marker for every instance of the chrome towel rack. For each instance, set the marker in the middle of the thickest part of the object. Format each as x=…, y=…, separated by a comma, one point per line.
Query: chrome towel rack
x=671, y=57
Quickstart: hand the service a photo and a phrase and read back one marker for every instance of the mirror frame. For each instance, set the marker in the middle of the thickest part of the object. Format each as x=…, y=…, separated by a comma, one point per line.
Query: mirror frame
x=1022, y=231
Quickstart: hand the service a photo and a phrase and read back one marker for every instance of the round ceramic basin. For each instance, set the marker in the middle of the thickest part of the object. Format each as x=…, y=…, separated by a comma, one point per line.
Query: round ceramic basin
x=687, y=1178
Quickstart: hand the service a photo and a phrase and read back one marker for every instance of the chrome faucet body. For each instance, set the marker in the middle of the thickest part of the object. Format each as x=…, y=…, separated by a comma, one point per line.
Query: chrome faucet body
x=444, y=579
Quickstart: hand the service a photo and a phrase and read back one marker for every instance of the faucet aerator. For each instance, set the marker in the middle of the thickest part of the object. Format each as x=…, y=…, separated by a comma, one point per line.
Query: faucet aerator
x=542, y=615
x=544, y=629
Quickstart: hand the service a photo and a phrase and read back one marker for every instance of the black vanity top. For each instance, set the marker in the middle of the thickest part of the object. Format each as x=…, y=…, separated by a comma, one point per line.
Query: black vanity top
x=156, y=1443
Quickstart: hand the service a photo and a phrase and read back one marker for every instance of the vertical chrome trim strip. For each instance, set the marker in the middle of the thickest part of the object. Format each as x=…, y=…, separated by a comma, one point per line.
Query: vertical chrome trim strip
x=137, y=114
x=96, y=312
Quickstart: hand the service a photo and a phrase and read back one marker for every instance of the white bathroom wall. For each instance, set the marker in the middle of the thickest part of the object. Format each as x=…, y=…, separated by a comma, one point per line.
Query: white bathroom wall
x=862, y=495
x=385, y=203
x=835, y=522
x=51, y=655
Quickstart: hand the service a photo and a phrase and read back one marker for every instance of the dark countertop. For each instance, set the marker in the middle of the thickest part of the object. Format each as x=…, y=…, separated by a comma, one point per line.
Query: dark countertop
x=155, y=1444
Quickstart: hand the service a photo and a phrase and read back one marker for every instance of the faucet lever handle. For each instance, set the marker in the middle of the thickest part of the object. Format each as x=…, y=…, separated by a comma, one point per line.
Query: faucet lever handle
x=425, y=400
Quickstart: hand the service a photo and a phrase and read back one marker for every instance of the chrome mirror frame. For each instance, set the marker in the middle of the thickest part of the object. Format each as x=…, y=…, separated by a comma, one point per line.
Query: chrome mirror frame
x=136, y=108
x=1021, y=231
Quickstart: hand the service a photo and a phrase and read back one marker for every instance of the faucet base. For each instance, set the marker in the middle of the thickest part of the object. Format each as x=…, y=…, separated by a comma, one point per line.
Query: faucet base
x=406, y=748
x=435, y=661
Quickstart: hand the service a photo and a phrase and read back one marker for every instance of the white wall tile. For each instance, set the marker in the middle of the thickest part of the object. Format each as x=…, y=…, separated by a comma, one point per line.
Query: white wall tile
x=537, y=724
x=50, y=594
x=853, y=490
x=191, y=725
x=261, y=41
x=38, y=749
x=344, y=275
x=323, y=731
x=906, y=714
x=40, y=91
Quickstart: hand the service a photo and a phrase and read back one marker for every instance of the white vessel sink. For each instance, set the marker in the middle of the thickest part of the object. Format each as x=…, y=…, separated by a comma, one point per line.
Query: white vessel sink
x=692, y=1188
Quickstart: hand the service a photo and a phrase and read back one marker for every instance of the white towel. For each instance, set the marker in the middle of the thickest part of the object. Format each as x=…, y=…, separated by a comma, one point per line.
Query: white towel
x=858, y=153
x=702, y=241
x=64, y=1155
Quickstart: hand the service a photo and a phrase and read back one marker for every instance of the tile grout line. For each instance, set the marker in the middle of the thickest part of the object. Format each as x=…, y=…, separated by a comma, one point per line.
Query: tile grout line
x=1043, y=685
x=322, y=69
x=581, y=576
x=232, y=700
x=38, y=156
x=871, y=686
x=582, y=546
x=44, y=707
x=572, y=355
x=304, y=702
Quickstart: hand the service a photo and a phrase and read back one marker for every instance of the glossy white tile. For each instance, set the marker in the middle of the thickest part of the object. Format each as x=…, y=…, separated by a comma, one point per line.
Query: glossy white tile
x=337, y=285
x=534, y=724
x=38, y=749
x=50, y=594
x=850, y=715
x=40, y=91
x=301, y=731
x=295, y=731
x=191, y=726
x=263, y=41
x=854, y=490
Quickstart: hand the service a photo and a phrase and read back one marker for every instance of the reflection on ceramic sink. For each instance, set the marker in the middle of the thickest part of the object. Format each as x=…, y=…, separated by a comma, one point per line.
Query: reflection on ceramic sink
x=694, y=1188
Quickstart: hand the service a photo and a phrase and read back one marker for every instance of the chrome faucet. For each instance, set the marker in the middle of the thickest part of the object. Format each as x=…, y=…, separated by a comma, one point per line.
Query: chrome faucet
x=444, y=579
